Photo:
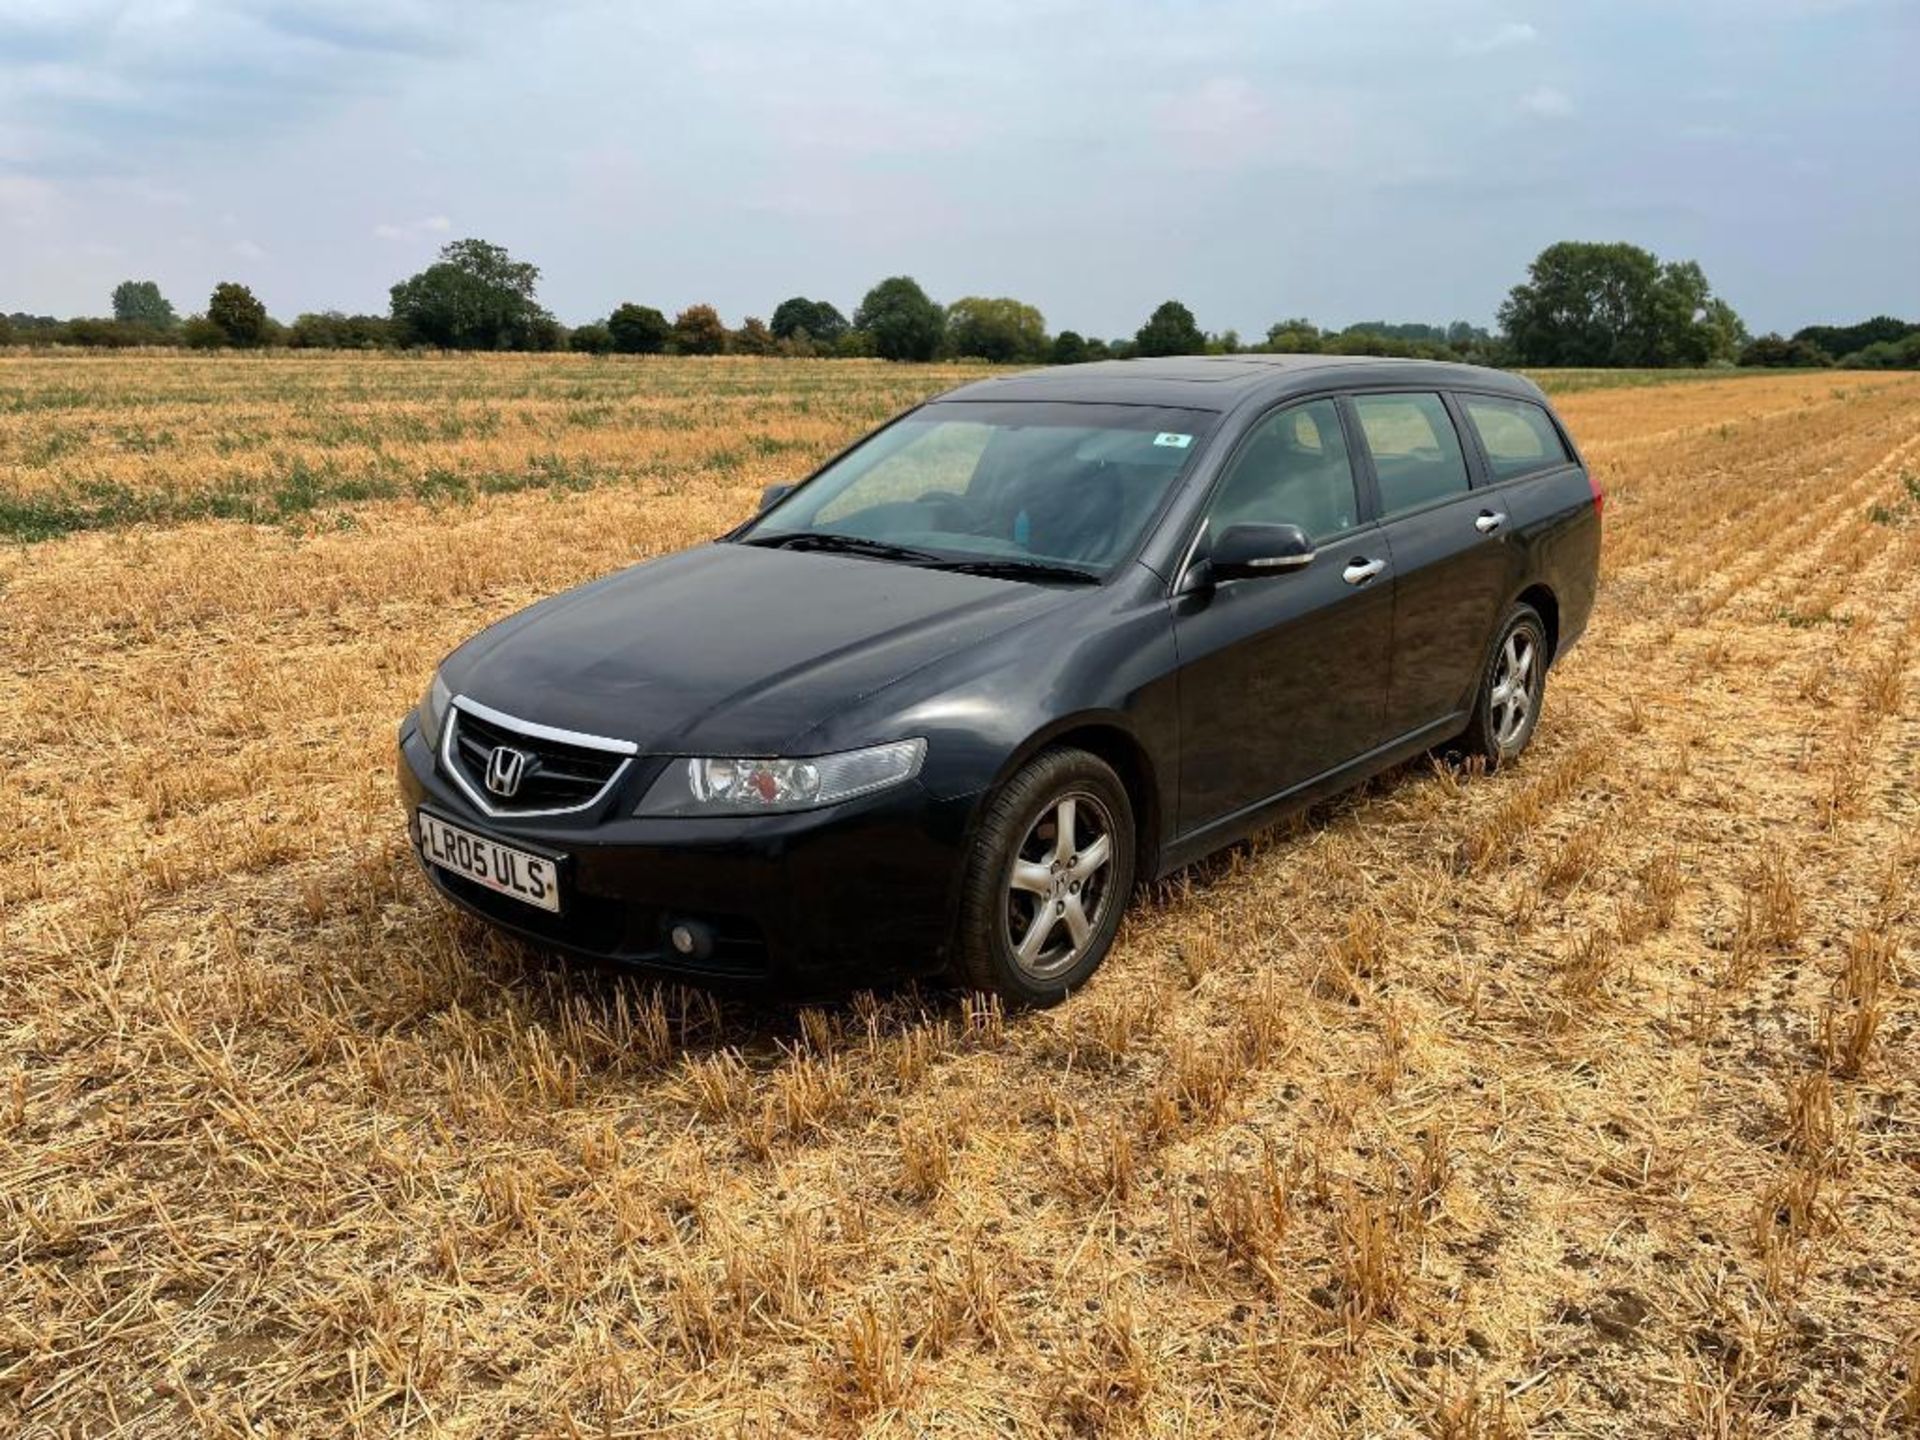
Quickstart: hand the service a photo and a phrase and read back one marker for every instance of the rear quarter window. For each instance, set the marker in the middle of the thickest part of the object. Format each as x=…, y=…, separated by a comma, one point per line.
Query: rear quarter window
x=1518, y=436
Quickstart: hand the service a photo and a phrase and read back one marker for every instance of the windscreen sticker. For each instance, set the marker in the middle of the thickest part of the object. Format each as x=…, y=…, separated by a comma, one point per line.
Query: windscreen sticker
x=1169, y=437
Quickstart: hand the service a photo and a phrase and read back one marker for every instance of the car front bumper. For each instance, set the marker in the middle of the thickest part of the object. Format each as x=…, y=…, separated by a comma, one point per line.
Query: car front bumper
x=854, y=894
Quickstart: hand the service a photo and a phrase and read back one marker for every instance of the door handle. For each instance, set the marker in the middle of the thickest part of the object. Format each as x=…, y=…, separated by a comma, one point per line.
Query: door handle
x=1359, y=572
x=1489, y=521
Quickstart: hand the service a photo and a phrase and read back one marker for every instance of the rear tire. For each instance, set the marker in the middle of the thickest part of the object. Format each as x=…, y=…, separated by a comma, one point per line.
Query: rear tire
x=1506, y=708
x=1048, y=880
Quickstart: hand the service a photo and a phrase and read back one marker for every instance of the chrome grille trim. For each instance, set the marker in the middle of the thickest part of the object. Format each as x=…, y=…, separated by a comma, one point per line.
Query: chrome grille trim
x=450, y=760
x=544, y=732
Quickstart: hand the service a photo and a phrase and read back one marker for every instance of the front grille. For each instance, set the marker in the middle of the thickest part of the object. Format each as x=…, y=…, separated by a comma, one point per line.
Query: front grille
x=556, y=775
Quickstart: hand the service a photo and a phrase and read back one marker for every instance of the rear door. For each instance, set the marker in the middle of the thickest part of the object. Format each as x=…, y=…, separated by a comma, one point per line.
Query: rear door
x=1450, y=559
x=1536, y=481
x=1284, y=677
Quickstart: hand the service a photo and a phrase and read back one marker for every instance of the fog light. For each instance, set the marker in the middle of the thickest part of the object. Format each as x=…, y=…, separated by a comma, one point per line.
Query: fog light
x=690, y=939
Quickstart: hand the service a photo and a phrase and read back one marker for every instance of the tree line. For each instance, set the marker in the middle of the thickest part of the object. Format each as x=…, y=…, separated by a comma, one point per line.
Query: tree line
x=1581, y=304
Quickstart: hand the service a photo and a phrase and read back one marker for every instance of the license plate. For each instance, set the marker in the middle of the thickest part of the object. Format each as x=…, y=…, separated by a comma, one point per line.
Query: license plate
x=530, y=878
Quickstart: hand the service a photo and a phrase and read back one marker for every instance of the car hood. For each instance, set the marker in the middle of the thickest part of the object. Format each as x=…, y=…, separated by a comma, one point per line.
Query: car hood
x=731, y=647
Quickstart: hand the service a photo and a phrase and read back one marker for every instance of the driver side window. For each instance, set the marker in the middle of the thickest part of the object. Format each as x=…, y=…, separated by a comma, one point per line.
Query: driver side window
x=1292, y=469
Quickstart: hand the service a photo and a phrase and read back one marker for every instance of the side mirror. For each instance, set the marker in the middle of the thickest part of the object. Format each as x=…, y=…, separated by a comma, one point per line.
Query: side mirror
x=771, y=494
x=1244, y=552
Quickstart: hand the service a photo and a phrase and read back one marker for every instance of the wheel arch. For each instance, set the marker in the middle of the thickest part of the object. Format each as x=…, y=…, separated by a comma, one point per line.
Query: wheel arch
x=1110, y=739
x=1541, y=597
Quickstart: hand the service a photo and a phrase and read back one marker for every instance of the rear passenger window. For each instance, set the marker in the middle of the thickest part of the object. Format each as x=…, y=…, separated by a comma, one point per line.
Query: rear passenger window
x=1416, y=451
x=1517, y=435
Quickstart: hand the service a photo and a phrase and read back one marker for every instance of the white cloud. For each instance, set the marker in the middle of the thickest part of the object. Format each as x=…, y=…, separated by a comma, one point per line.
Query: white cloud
x=1510, y=36
x=248, y=250
x=412, y=229
x=1547, y=102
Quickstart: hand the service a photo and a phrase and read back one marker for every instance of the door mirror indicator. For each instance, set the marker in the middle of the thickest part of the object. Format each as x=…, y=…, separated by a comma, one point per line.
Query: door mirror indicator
x=771, y=496
x=1245, y=552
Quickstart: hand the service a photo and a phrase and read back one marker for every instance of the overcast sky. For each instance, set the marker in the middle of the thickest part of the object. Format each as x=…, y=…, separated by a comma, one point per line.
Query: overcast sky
x=1255, y=158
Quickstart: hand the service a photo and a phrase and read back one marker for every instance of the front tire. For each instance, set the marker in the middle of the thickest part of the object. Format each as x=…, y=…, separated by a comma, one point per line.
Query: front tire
x=1048, y=880
x=1506, y=708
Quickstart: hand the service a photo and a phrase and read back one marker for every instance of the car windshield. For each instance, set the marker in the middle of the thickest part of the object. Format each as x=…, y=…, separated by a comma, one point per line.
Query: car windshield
x=1005, y=485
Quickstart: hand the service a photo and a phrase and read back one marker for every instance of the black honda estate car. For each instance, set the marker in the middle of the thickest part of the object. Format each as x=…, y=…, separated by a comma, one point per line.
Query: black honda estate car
x=941, y=705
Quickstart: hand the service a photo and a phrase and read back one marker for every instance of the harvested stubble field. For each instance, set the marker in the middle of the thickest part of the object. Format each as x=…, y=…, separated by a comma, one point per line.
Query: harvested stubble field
x=1578, y=1099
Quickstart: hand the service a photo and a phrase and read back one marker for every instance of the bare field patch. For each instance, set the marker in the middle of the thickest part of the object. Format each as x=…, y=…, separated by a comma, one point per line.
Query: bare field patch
x=1578, y=1099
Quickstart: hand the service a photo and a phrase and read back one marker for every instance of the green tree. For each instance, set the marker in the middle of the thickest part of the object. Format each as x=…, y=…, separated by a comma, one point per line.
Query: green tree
x=6, y=331
x=197, y=332
x=1000, y=330
x=139, y=302
x=752, y=338
x=1608, y=305
x=1776, y=350
x=1679, y=302
x=904, y=323
x=697, y=330
x=475, y=297
x=106, y=334
x=240, y=316
x=1297, y=336
x=822, y=322
x=30, y=329
x=331, y=330
x=317, y=330
x=591, y=339
x=1069, y=348
x=1726, y=333
x=1901, y=354
x=538, y=331
x=1419, y=331
x=1170, y=330
x=1584, y=304
x=638, y=329
x=1840, y=341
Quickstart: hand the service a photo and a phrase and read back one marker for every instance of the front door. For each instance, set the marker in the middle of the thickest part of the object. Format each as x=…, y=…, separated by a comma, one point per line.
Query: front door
x=1284, y=677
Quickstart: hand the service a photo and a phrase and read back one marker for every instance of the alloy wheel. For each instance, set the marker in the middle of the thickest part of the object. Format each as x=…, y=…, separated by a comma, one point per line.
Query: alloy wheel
x=1057, y=890
x=1512, y=698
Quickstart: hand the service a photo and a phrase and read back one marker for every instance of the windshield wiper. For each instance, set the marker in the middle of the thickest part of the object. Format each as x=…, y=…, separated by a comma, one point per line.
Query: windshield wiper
x=1012, y=569
x=835, y=543
x=1008, y=568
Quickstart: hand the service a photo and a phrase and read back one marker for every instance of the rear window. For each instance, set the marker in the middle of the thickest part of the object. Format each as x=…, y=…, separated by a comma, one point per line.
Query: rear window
x=1518, y=436
x=1416, y=451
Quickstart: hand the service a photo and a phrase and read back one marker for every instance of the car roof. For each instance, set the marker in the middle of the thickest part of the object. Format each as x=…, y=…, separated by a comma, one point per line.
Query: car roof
x=1221, y=382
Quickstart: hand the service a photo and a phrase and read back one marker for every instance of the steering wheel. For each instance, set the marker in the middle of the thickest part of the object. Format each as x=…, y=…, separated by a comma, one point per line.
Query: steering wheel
x=954, y=512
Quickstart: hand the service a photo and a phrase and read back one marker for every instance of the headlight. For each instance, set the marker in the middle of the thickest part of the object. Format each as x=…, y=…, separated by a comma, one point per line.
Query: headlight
x=433, y=711
x=762, y=786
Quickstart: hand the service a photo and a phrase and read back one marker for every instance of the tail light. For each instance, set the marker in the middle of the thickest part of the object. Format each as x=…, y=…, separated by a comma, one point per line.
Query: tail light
x=1599, y=495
